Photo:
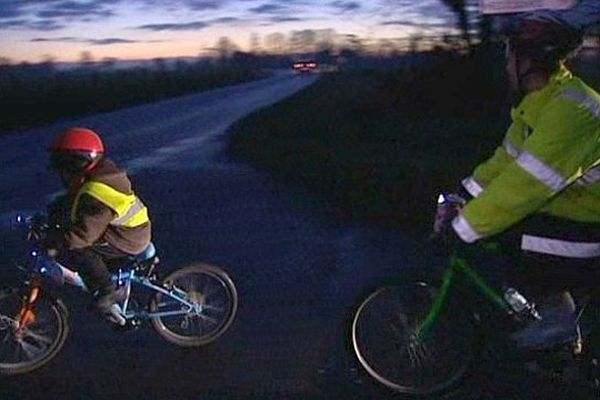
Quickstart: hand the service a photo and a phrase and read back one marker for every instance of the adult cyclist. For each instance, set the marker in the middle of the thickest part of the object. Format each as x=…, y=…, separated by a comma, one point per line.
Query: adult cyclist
x=541, y=187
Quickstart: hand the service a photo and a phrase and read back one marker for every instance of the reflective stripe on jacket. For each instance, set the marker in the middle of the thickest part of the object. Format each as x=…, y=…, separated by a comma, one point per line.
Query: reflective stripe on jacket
x=130, y=210
x=549, y=162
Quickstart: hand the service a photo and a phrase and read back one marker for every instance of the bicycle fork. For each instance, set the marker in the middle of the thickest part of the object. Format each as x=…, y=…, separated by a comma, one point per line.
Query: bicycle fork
x=26, y=314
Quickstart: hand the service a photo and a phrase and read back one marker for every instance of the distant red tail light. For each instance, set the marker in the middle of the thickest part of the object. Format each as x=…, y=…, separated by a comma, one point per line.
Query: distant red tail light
x=304, y=66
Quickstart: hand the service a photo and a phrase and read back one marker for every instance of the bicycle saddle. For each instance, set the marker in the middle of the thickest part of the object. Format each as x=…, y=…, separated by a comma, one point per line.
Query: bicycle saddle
x=148, y=253
x=144, y=261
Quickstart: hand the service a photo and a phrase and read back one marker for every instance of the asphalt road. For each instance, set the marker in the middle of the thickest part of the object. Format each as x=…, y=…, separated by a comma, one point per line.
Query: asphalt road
x=299, y=266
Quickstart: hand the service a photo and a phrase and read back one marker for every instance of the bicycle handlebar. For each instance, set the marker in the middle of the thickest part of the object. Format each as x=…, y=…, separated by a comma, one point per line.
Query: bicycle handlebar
x=448, y=206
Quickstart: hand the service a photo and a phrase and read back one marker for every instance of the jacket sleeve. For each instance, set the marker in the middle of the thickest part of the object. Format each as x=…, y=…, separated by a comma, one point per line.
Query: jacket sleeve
x=553, y=156
x=485, y=172
x=92, y=218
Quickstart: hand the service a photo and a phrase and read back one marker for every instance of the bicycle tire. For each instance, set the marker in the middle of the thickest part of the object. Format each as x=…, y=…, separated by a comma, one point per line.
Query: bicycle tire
x=219, y=307
x=49, y=331
x=384, y=341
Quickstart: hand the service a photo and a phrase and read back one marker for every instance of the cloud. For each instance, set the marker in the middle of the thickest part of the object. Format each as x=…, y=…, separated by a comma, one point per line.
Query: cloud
x=177, y=5
x=63, y=39
x=48, y=15
x=13, y=24
x=281, y=11
x=95, y=42
x=23, y=24
x=109, y=41
x=268, y=8
x=11, y=9
x=405, y=5
x=417, y=24
x=201, y=5
x=224, y=20
x=20, y=8
x=76, y=9
x=44, y=25
x=281, y=18
x=188, y=26
x=345, y=5
x=415, y=13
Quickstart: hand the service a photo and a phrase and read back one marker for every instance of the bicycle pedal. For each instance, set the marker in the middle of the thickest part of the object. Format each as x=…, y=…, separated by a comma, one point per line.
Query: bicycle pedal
x=128, y=327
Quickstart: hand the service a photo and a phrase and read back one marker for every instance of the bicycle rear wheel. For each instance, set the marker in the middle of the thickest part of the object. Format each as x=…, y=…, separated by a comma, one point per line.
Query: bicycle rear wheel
x=385, y=343
x=214, y=297
x=39, y=341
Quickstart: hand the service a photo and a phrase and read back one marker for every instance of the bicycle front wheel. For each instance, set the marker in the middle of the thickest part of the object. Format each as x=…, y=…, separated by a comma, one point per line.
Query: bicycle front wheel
x=214, y=299
x=384, y=337
x=30, y=346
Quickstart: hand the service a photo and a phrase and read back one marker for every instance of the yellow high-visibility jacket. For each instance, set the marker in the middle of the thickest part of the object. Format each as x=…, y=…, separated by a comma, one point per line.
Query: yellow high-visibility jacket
x=105, y=210
x=129, y=209
x=548, y=164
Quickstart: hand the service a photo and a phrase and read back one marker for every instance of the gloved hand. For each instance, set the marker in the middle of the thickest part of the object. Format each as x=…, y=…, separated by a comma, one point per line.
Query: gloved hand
x=448, y=207
x=36, y=224
x=443, y=236
x=36, y=236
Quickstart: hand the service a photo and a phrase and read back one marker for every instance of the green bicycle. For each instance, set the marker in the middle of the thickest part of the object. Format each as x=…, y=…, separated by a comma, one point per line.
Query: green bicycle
x=420, y=338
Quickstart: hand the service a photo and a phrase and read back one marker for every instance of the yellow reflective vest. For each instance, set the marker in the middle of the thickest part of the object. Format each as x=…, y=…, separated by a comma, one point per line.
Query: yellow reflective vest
x=129, y=209
x=548, y=163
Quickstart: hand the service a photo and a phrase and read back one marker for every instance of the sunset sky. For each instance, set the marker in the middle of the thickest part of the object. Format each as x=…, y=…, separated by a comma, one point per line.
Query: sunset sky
x=34, y=30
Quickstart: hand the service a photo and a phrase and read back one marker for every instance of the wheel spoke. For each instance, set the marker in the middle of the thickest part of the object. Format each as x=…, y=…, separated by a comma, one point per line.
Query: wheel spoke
x=210, y=291
x=18, y=350
x=200, y=325
x=38, y=337
x=383, y=337
x=30, y=349
x=213, y=308
x=205, y=317
x=6, y=322
x=36, y=343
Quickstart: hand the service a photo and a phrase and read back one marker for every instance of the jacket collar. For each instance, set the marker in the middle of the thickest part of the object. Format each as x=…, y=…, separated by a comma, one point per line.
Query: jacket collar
x=529, y=109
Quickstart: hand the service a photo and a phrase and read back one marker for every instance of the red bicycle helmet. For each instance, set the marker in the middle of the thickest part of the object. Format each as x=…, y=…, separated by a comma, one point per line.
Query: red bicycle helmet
x=76, y=150
x=78, y=139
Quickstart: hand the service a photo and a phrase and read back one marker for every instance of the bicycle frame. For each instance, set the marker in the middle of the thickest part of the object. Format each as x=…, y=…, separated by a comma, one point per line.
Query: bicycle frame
x=126, y=276
x=458, y=265
x=129, y=277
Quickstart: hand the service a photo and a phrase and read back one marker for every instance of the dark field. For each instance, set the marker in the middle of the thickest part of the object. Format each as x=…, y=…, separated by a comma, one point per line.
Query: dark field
x=381, y=144
x=31, y=95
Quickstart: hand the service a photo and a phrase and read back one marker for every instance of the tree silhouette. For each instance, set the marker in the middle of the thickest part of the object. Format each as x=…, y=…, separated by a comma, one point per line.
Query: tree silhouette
x=254, y=45
x=459, y=7
x=225, y=48
x=414, y=41
x=275, y=42
x=303, y=41
x=86, y=58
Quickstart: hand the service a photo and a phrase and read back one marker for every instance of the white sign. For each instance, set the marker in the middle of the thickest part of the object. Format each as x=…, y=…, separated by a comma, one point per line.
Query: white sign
x=514, y=6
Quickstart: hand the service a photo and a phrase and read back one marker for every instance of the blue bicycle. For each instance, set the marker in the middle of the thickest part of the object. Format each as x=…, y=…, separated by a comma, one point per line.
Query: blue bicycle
x=191, y=306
